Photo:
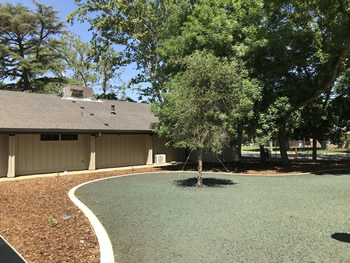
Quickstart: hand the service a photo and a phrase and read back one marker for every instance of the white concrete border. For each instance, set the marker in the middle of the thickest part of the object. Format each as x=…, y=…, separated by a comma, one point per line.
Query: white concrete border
x=25, y=261
x=106, y=250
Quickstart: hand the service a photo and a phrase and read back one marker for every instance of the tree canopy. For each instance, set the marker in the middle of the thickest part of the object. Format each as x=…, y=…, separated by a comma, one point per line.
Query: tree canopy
x=136, y=26
x=298, y=52
x=205, y=103
x=28, y=59
x=307, y=49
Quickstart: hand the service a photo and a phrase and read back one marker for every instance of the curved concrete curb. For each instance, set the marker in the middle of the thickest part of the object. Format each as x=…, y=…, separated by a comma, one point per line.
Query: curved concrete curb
x=106, y=250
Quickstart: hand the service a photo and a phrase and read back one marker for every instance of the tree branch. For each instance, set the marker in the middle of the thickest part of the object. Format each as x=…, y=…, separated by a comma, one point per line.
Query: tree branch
x=328, y=86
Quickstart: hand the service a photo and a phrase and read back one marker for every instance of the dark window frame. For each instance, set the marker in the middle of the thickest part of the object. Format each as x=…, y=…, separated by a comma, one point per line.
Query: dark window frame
x=54, y=137
x=69, y=137
x=49, y=137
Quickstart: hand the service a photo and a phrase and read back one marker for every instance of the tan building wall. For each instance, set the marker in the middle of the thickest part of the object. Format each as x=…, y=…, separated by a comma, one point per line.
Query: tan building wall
x=4, y=149
x=35, y=156
x=121, y=150
x=172, y=154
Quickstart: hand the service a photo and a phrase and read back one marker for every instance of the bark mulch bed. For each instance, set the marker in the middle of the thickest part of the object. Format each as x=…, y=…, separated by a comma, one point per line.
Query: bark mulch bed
x=26, y=206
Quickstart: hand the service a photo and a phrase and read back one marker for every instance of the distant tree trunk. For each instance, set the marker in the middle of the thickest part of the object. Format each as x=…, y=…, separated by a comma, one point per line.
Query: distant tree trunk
x=262, y=154
x=26, y=82
x=270, y=147
x=283, y=146
x=200, y=167
x=314, y=149
x=287, y=145
x=235, y=152
x=239, y=143
x=104, y=84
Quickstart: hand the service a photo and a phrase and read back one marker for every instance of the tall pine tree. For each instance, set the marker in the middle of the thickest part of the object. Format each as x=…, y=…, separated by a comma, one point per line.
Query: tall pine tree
x=28, y=60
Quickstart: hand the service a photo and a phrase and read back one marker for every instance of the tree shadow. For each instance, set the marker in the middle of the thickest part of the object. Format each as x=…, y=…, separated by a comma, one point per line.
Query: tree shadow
x=209, y=182
x=343, y=237
x=334, y=172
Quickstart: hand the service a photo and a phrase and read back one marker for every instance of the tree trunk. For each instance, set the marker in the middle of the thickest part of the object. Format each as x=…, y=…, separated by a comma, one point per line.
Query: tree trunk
x=26, y=82
x=283, y=147
x=262, y=154
x=200, y=167
x=239, y=143
x=314, y=149
x=235, y=152
x=287, y=145
x=104, y=85
x=270, y=148
x=335, y=73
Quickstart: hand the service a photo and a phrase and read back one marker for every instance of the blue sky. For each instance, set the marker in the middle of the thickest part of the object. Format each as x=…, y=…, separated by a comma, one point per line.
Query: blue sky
x=64, y=8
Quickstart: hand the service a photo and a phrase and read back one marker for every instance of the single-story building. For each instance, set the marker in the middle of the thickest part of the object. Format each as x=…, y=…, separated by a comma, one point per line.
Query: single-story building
x=41, y=133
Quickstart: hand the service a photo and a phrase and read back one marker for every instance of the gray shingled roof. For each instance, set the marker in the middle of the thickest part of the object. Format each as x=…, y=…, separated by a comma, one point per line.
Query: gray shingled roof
x=23, y=112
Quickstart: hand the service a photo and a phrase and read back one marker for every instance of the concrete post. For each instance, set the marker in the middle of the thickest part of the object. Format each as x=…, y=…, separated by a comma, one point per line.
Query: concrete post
x=150, y=150
x=11, y=168
x=92, y=163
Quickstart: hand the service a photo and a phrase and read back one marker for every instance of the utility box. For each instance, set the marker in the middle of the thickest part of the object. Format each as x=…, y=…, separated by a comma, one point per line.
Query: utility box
x=159, y=158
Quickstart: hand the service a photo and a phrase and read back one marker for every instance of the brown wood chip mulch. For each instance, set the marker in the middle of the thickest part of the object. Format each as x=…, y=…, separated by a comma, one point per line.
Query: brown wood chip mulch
x=27, y=205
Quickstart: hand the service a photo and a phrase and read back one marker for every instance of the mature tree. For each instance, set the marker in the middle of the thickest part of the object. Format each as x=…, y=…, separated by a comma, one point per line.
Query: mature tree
x=308, y=43
x=108, y=68
x=204, y=104
x=135, y=25
x=78, y=60
x=315, y=122
x=28, y=59
x=266, y=124
x=91, y=64
x=225, y=28
x=339, y=111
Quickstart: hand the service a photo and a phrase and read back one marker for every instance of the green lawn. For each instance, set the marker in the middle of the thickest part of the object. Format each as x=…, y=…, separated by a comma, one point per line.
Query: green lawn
x=255, y=148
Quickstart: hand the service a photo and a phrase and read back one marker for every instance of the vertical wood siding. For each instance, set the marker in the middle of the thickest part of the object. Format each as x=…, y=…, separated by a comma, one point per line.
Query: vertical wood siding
x=35, y=156
x=172, y=154
x=4, y=149
x=121, y=150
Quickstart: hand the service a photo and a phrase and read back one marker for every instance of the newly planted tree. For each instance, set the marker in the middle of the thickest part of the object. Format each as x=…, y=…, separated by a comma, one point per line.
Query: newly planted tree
x=204, y=104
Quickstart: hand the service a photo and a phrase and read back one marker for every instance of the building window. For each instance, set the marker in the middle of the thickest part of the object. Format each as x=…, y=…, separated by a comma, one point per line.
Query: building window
x=69, y=137
x=49, y=137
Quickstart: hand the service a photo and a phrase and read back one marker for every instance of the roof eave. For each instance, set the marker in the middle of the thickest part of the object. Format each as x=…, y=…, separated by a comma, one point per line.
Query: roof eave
x=80, y=131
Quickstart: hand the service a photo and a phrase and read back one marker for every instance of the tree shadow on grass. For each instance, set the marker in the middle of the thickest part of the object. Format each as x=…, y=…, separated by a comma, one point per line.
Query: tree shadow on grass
x=209, y=182
x=343, y=237
x=334, y=172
